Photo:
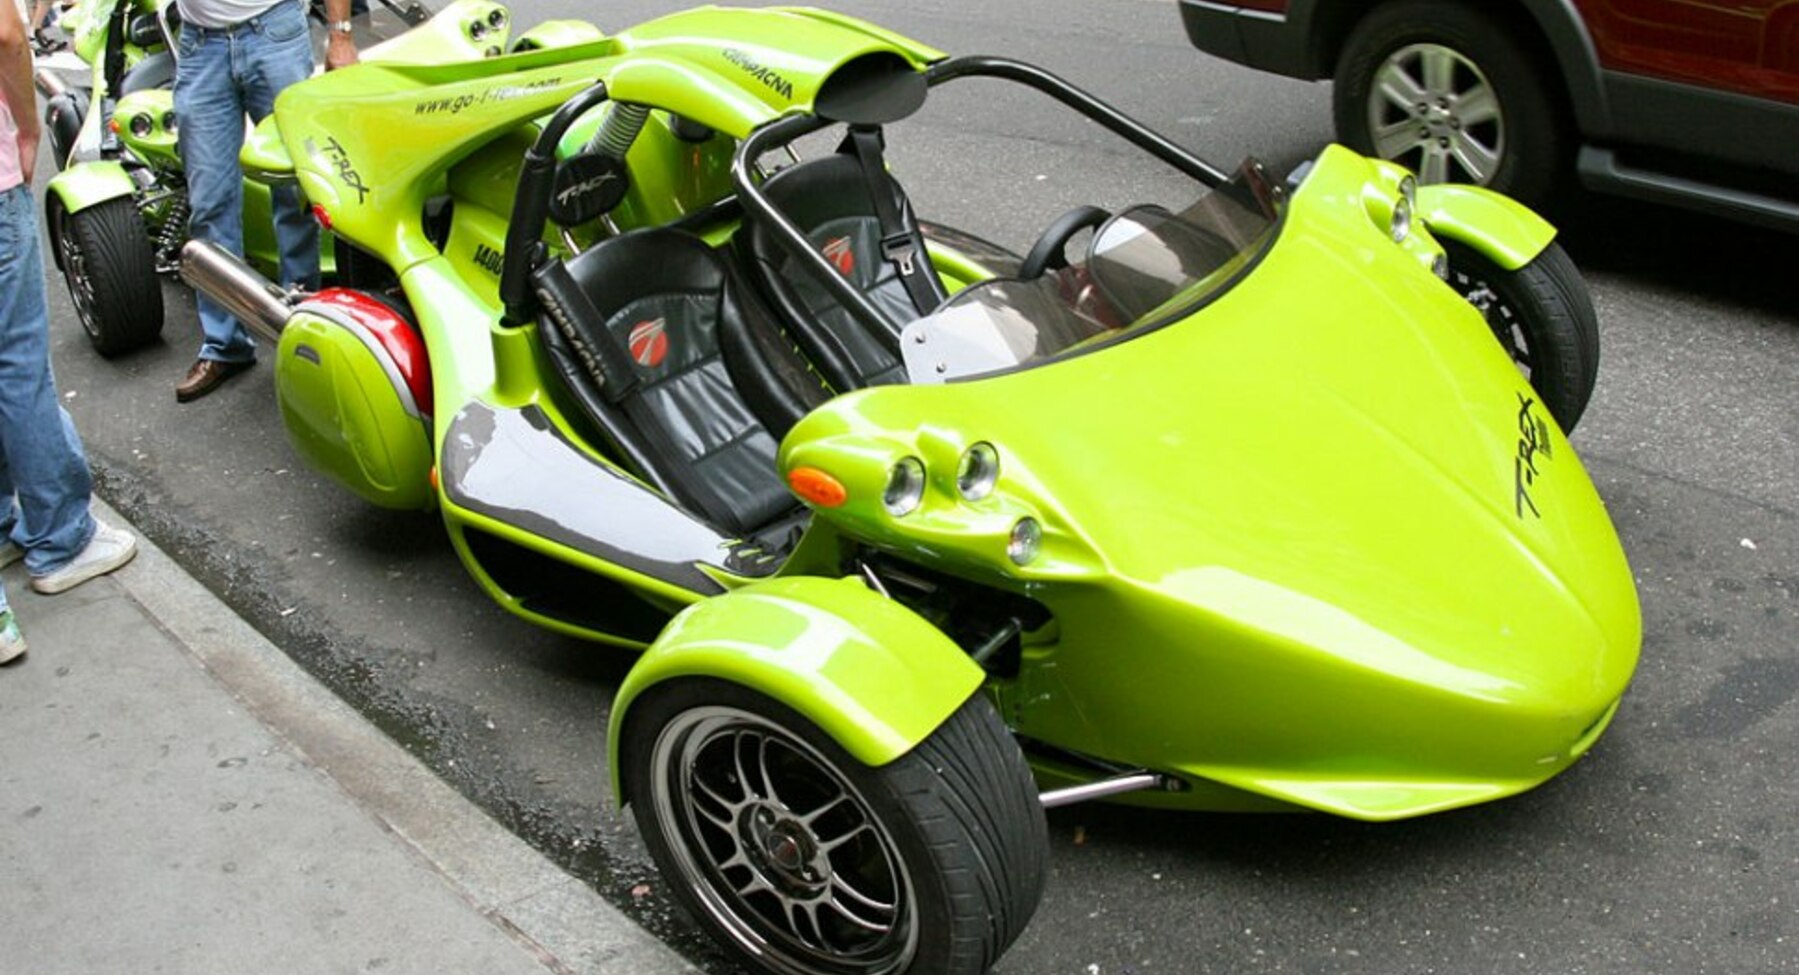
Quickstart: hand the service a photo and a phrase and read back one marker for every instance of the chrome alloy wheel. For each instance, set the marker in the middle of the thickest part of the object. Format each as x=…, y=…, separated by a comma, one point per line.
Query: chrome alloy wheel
x=80, y=279
x=1434, y=111
x=779, y=847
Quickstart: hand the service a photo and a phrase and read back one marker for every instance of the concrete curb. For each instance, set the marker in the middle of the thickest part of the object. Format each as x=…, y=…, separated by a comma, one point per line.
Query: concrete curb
x=565, y=924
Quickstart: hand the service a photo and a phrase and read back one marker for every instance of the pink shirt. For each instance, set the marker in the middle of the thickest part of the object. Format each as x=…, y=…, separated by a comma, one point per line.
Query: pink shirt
x=10, y=174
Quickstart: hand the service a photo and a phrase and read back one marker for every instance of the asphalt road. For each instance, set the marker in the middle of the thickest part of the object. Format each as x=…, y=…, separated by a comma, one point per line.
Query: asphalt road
x=1673, y=848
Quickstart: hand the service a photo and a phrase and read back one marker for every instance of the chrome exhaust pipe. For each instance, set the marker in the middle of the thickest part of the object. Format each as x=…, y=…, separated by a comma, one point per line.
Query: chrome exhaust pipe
x=49, y=83
x=259, y=303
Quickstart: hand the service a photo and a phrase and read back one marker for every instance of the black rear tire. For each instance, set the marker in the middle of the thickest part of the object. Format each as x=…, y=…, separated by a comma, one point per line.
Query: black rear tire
x=107, y=261
x=1543, y=316
x=1489, y=57
x=951, y=834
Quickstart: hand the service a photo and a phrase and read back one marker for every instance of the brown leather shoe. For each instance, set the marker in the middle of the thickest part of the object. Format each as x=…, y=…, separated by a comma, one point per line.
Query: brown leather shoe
x=206, y=376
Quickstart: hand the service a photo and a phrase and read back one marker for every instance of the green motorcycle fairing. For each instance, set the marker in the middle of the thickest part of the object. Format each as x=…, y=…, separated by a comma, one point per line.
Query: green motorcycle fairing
x=1278, y=528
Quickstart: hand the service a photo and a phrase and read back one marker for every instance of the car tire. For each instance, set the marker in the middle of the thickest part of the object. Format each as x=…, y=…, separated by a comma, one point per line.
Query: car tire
x=738, y=798
x=106, y=259
x=1484, y=113
x=1543, y=317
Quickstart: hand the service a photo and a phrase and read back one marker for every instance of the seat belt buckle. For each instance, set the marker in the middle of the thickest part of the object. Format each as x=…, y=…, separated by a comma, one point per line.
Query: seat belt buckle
x=898, y=249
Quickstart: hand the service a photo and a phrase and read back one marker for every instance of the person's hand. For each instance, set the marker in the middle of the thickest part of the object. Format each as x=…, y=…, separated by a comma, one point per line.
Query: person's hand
x=340, y=51
x=28, y=142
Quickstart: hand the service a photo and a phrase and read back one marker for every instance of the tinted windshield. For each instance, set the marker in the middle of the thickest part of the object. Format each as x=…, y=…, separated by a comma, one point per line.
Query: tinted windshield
x=1145, y=267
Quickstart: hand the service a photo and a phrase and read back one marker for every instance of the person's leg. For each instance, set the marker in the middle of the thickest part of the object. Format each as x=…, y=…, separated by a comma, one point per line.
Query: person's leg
x=211, y=111
x=43, y=455
x=278, y=55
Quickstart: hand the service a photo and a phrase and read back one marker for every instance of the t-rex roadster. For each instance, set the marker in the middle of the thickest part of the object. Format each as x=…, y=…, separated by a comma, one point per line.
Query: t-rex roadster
x=1245, y=506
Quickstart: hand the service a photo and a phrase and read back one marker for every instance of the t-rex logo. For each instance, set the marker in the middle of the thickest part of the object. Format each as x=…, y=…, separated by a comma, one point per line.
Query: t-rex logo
x=584, y=187
x=1533, y=444
x=649, y=342
x=839, y=253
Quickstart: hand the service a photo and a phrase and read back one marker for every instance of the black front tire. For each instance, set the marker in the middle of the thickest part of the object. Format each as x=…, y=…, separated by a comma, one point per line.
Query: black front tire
x=800, y=860
x=1543, y=316
x=1479, y=106
x=111, y=272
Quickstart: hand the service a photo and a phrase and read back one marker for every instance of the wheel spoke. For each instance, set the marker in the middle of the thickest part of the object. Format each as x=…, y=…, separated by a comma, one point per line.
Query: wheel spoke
x=1439, y=71
x=1477, y=105
x=1397, y=139
x=1477, y=160
x=723, y=820
x=848, y=914
x=839, y=885
x=1435, y=168
x=1397, y=86
x=768, y=782
x=743, y=778
x=819, y=813
x=829, y=846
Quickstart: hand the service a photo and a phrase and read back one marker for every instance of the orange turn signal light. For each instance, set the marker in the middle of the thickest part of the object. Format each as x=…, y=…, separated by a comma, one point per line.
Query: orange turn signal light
x=320, y=214
x=817, y=487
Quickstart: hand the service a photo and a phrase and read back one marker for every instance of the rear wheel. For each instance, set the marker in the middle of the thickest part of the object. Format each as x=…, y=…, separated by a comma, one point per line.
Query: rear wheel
x=107, y=261
x=1543, y=316
x=1452, y=93
x=803, y=861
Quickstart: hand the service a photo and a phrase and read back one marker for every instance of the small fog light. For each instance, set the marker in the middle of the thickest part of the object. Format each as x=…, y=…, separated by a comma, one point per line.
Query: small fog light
x=1026, y=541
x=1403, y=209
x=1440, y=264
x=493, y=52
x=978, y=472
x=905, y=487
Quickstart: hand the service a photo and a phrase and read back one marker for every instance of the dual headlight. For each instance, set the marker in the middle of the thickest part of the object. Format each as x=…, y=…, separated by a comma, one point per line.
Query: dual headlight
x=977, y=473
x=1404, y=208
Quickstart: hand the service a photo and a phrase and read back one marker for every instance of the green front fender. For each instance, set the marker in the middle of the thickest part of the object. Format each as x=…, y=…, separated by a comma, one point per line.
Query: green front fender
x=86, y=184
x=867, y=671
x=1506, y=232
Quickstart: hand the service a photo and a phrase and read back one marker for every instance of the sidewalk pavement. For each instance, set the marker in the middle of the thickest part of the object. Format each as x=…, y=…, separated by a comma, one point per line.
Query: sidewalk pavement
x=176, y=795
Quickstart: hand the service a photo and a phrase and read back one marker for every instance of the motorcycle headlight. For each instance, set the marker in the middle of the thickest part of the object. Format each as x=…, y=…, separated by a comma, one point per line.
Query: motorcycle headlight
x=1403, y=208
x=1026, y=541
x=978, y=472
x=905, y=487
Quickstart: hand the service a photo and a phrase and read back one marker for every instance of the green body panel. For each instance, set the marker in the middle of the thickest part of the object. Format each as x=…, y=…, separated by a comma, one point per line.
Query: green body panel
x=867, y=671
x=341, y=414
x=558, y=33
x=81, y=186
x=1279, y=527
x=152, y=104
x=1500, y=228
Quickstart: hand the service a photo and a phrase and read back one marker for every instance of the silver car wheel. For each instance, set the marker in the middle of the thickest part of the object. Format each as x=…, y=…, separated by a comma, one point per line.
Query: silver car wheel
x=1434, y=111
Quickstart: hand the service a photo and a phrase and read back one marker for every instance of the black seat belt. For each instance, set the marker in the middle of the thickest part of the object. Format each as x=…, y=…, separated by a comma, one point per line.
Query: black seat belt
x=898, y=245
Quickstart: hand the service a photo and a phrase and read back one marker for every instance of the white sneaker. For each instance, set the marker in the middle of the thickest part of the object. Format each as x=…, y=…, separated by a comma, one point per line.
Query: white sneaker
x=12, y=642
x=107, y=550
x=10, y=553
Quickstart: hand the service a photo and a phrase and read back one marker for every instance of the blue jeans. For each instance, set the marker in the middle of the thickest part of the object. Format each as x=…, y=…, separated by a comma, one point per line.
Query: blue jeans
x=220, y=76
x=44, y=478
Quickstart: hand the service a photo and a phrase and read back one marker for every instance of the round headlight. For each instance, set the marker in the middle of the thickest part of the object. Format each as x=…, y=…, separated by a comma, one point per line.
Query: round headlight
x=168, y=122
x=142, y=125
x=1026, y=541
x=1403, y=208
x=496, y=18
x=905, y=487
x=978, y=472
x=477, y=29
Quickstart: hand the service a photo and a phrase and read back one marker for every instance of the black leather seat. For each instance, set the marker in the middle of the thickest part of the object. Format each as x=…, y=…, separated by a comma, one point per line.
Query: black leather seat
x=681, y=369
x=829, y=200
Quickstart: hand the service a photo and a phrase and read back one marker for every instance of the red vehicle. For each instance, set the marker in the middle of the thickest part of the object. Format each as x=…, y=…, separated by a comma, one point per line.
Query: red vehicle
x=1688, y=102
